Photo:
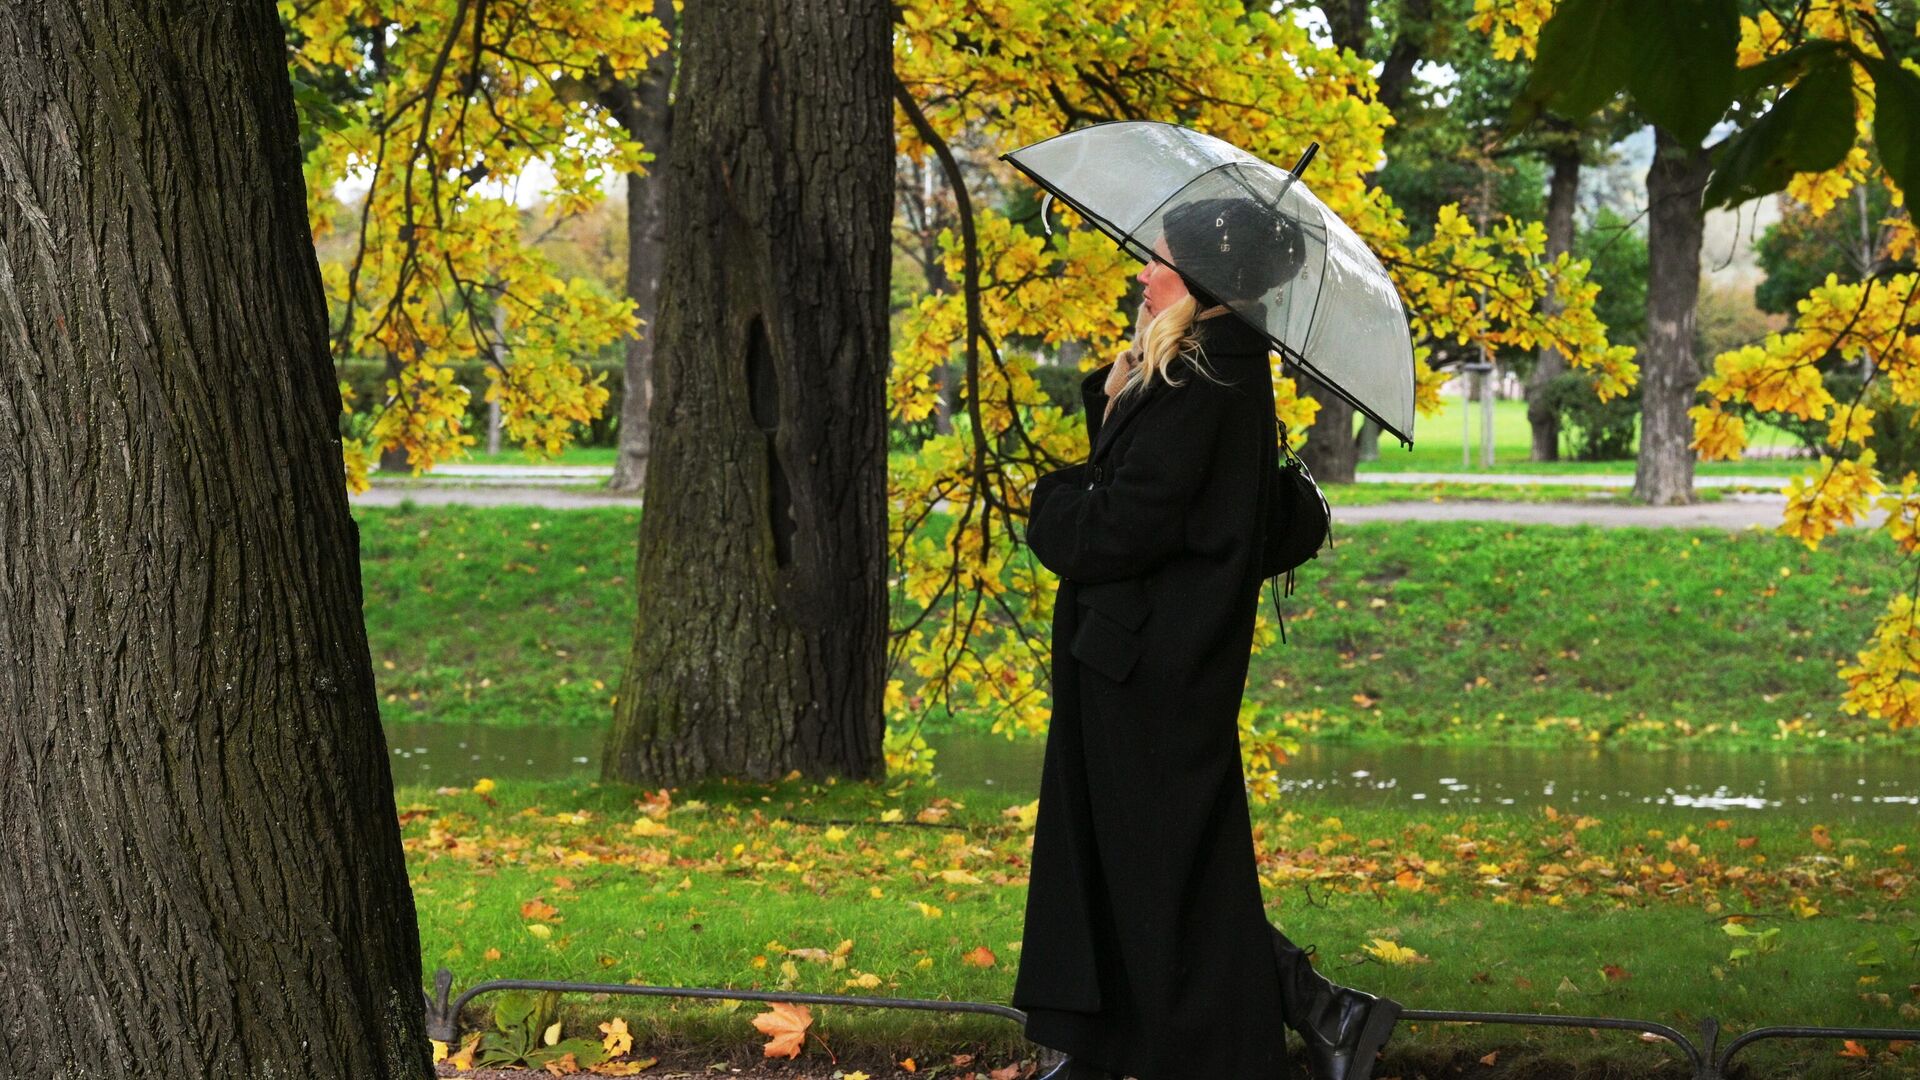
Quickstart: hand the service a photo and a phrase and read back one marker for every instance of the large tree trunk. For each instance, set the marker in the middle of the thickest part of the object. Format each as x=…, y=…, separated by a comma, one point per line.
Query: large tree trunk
x=759, y=644
x=644, y=113
x=1669, y=372
x=1330, y=450
x=1549, y=364
x=203, y=872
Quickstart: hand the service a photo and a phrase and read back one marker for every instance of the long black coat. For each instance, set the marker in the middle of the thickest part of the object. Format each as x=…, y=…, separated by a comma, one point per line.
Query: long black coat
x=1146, y=949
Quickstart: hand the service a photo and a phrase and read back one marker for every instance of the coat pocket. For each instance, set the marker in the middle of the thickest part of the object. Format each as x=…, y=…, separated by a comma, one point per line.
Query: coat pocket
x=1108, y=639
x=1106, y=646
x=1125, y=601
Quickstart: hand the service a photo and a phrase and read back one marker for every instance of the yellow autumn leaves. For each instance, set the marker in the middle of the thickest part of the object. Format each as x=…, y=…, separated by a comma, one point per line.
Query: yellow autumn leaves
x=970, y=602
x=440, y=271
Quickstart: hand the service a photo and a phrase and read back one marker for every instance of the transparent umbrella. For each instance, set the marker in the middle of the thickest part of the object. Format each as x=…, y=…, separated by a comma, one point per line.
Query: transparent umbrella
x=1251, y=236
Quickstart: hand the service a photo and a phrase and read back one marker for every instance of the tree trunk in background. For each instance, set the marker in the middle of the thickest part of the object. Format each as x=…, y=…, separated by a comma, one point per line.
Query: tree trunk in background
x=1330, y=449
x=1562, y=193
x=203, y=871
x=1350, y=24
x=1669, y=372
x=646, y=117
x=1367, y=441
x=759, y=642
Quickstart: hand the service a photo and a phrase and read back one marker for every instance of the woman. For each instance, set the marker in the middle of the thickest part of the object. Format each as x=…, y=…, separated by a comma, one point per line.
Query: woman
x=1146, y=951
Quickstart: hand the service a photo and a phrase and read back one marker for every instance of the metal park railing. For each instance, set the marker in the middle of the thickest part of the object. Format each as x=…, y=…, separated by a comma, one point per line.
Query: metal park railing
x=1707, y=1059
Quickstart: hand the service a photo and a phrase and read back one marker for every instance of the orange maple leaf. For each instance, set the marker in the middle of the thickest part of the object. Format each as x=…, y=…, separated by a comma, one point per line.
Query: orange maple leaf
x=1853, y=1050
x=787, y=1024
x=538, y=908
x=981, y=956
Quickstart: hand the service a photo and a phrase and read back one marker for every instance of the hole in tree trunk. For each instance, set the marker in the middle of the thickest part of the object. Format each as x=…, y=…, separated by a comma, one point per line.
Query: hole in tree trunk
x=763, y=399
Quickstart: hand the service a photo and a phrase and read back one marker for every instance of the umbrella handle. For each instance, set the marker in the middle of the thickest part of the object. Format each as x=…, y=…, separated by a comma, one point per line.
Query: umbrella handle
x=1044, y=223
x=1301, y=166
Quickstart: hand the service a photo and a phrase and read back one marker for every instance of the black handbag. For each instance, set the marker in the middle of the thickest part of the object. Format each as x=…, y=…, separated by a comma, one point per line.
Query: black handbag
x=1299, y=523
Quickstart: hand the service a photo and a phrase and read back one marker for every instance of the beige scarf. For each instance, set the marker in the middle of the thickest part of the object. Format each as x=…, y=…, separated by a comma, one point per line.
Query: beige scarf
x=1123, y=367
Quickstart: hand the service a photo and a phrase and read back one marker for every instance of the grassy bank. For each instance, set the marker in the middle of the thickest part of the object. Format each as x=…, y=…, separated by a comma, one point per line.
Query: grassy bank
x=846, y=888
x=1437, y=632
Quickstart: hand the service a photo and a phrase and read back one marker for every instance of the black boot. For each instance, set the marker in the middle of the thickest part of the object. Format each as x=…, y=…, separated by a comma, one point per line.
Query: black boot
x=1343, y=1028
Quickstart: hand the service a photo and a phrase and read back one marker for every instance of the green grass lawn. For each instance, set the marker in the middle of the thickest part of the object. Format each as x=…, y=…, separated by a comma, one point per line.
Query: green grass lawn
x=1424, y=631
x=1437, y=441
x=904, y=894
x=572, y=455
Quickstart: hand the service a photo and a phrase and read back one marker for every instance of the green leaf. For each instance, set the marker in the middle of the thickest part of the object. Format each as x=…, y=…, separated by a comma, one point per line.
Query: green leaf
x=1896, y=122
x=587, y=1052
x=1868, y=955
x=512, y=1009
x=1780, y=68
x=1684, y=55
x=1583, y=58
x=315, y=108
x=1809, y=129
x=1676, y=57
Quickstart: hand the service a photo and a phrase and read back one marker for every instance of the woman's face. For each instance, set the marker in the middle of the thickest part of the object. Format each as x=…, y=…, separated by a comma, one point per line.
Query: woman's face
x=1164, y=287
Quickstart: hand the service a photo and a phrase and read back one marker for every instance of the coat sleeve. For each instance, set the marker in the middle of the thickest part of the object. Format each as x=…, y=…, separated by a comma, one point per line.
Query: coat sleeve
x=1093, y=399
x=1137, y=521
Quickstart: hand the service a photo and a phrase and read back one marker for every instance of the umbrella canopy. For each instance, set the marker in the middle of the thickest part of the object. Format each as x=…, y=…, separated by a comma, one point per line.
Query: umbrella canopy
x=1250, y=235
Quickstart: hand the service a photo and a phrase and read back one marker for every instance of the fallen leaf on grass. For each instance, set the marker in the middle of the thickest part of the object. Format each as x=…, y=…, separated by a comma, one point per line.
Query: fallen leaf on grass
x=1393, y=952
x=1490, y=1058
x=625, y=1068
x=1852, y=1049
x=464, y=1059
x=618, y=1040
x=1615, y=973
x=787, y=1026
x=538, y=909
x=981, y=956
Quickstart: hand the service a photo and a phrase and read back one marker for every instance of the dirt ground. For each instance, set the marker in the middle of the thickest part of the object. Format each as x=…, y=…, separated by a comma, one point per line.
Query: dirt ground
x=746, y=1065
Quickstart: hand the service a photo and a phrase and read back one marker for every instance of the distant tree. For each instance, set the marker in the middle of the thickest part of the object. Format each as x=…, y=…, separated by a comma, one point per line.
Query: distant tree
x=1824, y=98
x=439, y=108
x=1849, y=241
x=204, y=876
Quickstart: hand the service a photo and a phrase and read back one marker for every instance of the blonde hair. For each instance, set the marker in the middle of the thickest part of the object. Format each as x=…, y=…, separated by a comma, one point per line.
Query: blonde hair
x=1174, y=332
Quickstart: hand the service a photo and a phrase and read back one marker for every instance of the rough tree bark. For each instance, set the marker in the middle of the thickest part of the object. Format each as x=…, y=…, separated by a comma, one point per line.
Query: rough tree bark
x=1562, y=193
x=1669, y=372
x=643, y=110
x=1331, y=451
x=759, y=642
x=1350, y=24
x=203, y=871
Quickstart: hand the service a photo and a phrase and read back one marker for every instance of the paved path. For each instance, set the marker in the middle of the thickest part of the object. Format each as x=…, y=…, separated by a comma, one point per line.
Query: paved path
x=550, y=498
x=1600, y=480
x=1733, y=512
x=538, y=475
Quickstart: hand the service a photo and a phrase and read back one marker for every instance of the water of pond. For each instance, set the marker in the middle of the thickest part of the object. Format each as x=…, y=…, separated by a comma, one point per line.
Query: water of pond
x=1882, y=786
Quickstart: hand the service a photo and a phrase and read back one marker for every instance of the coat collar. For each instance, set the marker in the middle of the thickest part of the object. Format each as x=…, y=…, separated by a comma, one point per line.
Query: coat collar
x=1224, y=335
